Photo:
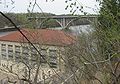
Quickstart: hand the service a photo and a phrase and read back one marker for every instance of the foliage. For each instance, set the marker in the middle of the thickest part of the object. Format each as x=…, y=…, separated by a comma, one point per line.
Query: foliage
x=96, y=56
x=108, y=32
x=74, y=6
x=109, y=26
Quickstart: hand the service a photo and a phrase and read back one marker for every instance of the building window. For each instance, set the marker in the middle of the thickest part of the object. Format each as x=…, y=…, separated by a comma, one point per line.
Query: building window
x=25, y=49
x=17, y=56
x=10, y=47
x=34, y=54
x=25, y=53
x=53, y=58
x=3, y=46
x=17, y=53
x=4, y=56
x=25, y=56
x=3, y=51
x=10, y=51
x=44, y=55
x=10, y=54
x=33, y=51
x=17, y=48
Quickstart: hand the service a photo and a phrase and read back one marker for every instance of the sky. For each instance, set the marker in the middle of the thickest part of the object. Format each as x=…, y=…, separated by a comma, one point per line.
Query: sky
x=55, y=7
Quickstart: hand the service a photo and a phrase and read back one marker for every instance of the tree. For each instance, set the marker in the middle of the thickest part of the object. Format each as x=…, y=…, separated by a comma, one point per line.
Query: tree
x=108, y=32
x=98, y=52
x=109, y=24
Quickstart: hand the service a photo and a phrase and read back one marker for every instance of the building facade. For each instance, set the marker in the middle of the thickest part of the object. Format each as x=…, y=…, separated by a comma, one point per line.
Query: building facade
x=14, y=48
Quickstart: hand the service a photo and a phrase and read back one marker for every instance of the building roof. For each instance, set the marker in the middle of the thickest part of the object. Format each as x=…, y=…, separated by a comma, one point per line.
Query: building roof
x=41, y=36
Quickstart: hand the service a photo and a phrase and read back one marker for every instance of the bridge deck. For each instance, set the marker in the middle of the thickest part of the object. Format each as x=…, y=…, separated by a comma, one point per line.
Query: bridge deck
x=65, y=17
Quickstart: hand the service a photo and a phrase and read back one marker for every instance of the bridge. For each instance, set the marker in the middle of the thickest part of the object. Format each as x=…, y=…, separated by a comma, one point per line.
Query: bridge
x=64, y=20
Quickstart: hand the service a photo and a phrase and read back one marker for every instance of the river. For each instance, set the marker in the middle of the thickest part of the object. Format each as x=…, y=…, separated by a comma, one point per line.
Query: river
x=5, y=33
x=78, y=29
x=73, y=29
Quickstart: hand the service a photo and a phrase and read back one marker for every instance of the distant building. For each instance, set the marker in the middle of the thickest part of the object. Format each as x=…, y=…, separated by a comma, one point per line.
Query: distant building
x=50, y=43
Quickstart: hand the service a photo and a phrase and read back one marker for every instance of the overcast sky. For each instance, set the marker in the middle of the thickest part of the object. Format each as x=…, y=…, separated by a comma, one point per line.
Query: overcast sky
x=55, y=7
